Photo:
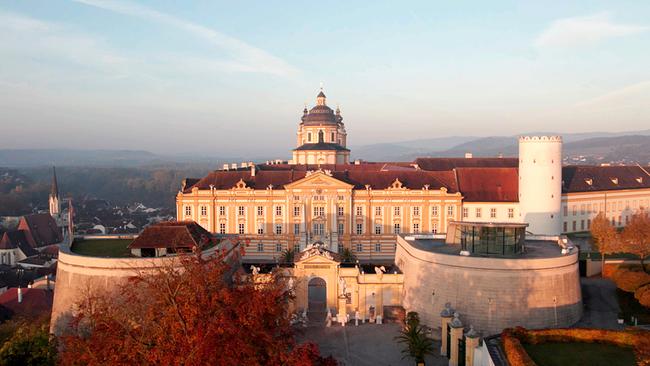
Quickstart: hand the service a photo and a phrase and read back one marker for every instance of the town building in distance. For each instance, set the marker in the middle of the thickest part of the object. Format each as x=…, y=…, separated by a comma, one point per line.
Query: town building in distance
x=320, y=196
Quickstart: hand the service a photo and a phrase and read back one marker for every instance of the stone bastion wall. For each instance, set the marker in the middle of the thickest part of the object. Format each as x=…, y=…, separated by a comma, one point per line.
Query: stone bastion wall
x=78, y=275
x=491, y=293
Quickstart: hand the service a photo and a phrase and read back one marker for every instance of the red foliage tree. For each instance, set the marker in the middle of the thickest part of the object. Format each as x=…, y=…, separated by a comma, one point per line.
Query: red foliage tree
x=636, y=236
x=606, y=239
x=187, y=315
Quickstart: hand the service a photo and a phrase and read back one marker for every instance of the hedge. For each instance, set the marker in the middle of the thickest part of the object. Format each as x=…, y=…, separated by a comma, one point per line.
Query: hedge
x=512, y=339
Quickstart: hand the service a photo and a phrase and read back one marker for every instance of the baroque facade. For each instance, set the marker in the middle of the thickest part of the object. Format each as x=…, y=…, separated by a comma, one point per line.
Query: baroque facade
x=319, y=196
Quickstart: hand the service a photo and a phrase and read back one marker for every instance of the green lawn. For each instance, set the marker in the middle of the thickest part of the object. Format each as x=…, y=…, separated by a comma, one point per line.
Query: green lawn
x=102, y=247
x=580, y=354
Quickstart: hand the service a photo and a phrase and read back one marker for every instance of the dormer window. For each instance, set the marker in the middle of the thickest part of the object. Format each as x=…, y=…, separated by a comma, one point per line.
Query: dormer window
x=614, y=180
x=640, y=180
x=589, y=181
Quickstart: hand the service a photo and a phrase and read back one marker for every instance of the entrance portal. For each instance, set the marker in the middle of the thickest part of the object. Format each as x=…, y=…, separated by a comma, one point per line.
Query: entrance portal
x=317, y=299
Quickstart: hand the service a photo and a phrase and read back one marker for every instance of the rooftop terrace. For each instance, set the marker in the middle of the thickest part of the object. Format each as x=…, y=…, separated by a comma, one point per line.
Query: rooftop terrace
x=100, y=247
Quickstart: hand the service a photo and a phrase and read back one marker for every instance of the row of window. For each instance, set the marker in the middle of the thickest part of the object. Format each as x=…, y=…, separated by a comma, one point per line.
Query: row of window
x=261, y=248
x=320, y=211
x=319, y=228
x=613, y=206
x=478, y=212
x=616, y=221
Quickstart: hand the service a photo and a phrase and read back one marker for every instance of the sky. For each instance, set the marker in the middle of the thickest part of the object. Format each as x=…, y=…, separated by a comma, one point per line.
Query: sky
x=232, y=77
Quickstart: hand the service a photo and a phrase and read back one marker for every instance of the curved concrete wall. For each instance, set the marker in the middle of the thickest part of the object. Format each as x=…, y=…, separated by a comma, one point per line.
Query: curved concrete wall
x=540, y=183
x=491, y=293
x=77, y=275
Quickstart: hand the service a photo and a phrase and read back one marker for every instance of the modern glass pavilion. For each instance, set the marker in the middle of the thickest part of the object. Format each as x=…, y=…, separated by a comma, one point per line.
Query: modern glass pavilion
x=488, y=239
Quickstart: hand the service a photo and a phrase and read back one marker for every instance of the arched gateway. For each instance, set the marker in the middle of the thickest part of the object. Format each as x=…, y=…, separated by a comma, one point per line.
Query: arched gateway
x=317, y=298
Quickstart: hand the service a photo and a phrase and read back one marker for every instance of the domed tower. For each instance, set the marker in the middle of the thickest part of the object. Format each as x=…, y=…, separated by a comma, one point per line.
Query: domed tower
x=321, y=137
x=540, y=183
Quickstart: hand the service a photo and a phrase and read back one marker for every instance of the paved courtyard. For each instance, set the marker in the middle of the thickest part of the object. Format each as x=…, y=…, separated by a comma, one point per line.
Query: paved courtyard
x=367, y=344
x=600, y=304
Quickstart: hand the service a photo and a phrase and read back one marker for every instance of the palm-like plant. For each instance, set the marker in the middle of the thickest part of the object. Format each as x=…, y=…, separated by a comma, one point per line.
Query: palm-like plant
x=288, y=256
x=347, y=256
x=415, y=339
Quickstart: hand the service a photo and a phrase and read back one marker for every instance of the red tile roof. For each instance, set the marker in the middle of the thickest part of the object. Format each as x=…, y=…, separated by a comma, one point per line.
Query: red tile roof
x=35, y=301
x=583, y=178
x=17, y=239
x=40, y=229
x=451, y=163
x=488, y=184
x=172, y=234
x=376, y=175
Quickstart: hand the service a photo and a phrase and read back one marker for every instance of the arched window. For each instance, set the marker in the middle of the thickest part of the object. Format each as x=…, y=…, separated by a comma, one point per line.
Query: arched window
x=321, y=136
x=332, y=137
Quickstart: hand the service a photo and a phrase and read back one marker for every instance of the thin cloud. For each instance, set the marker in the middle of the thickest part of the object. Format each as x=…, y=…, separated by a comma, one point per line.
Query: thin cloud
x=638, y=93
x=252, y=59
x=584, y=30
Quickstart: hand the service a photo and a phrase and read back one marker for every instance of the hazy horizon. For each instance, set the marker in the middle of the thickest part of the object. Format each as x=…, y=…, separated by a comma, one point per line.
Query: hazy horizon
x=210, y=78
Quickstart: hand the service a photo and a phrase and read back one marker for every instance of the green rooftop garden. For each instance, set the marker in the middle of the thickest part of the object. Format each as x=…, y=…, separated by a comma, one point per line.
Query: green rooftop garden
x=112, y=248
x=580, y=354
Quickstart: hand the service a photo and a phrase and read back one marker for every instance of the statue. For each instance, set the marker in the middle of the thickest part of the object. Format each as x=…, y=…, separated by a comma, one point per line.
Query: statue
x=255, y=270
x=380, y=271
x=290, y=284
x=342, y=286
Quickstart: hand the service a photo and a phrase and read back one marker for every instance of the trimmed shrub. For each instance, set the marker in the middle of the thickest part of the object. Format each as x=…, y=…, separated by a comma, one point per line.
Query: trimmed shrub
x=630, y=280
x=642, y=294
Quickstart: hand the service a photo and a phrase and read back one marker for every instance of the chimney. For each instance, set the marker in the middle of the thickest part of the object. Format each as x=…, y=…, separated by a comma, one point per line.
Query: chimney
x=225, y=166
x=20, y=295
x=243, y=165
x=233, y=166
x=468, y=155
x=252, y=170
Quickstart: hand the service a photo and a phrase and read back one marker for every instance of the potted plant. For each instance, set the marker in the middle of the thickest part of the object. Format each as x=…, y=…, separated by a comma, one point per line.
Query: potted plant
x=414, y=337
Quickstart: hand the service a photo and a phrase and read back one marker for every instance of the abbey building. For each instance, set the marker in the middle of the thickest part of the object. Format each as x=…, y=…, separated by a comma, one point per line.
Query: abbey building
x=320, y=197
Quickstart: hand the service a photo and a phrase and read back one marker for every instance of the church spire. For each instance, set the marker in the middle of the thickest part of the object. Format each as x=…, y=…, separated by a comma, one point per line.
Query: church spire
x=55, y=204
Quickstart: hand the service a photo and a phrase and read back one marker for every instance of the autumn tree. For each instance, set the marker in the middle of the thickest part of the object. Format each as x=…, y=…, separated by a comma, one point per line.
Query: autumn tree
x=187, y=315
x=606, y=238
x=635, y=238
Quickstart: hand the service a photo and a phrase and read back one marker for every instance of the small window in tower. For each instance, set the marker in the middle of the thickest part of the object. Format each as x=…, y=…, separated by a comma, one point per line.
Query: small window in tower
x=309, y=137
x=332, y=137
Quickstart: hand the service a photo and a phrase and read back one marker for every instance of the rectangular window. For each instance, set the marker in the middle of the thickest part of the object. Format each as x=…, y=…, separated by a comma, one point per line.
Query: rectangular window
x=359, y=229
x=204, y=210
x=377, y=229
x=416, y=211
x=565, y=227
x=493, y=213
x=296, y=229
x=222, y=210
x=478, y=212
x=319, y=228
x=396, y=228
x=416, y=228
x=319, y=211
x=241, y=210
x=296, y=211
x=332, y=139
x=188, y=210
x=588, y=224
x=435, y=211
x=397, y=211
x=339, y=210
x=260, y=210
x=242, y=229
x=573, y=225
x=511, y=213
x=278, y=229
x=359, y=210
x=582, y=225
x=260, y=228
x=278, y=210
x=341, y=228
x=340, y=198
x=378, y=211
x=222, y=228
x=260, y=247
x=450, y=211
x=582, y=209
x=566, y=210
x=574, y=210
x=278, y=247
x=465, y=212
x=378, y=247
x=359, y=247
x=296, y=198
x=434, y=228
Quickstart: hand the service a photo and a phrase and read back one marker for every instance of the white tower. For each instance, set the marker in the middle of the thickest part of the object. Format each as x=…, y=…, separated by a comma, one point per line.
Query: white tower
x=540, y=183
